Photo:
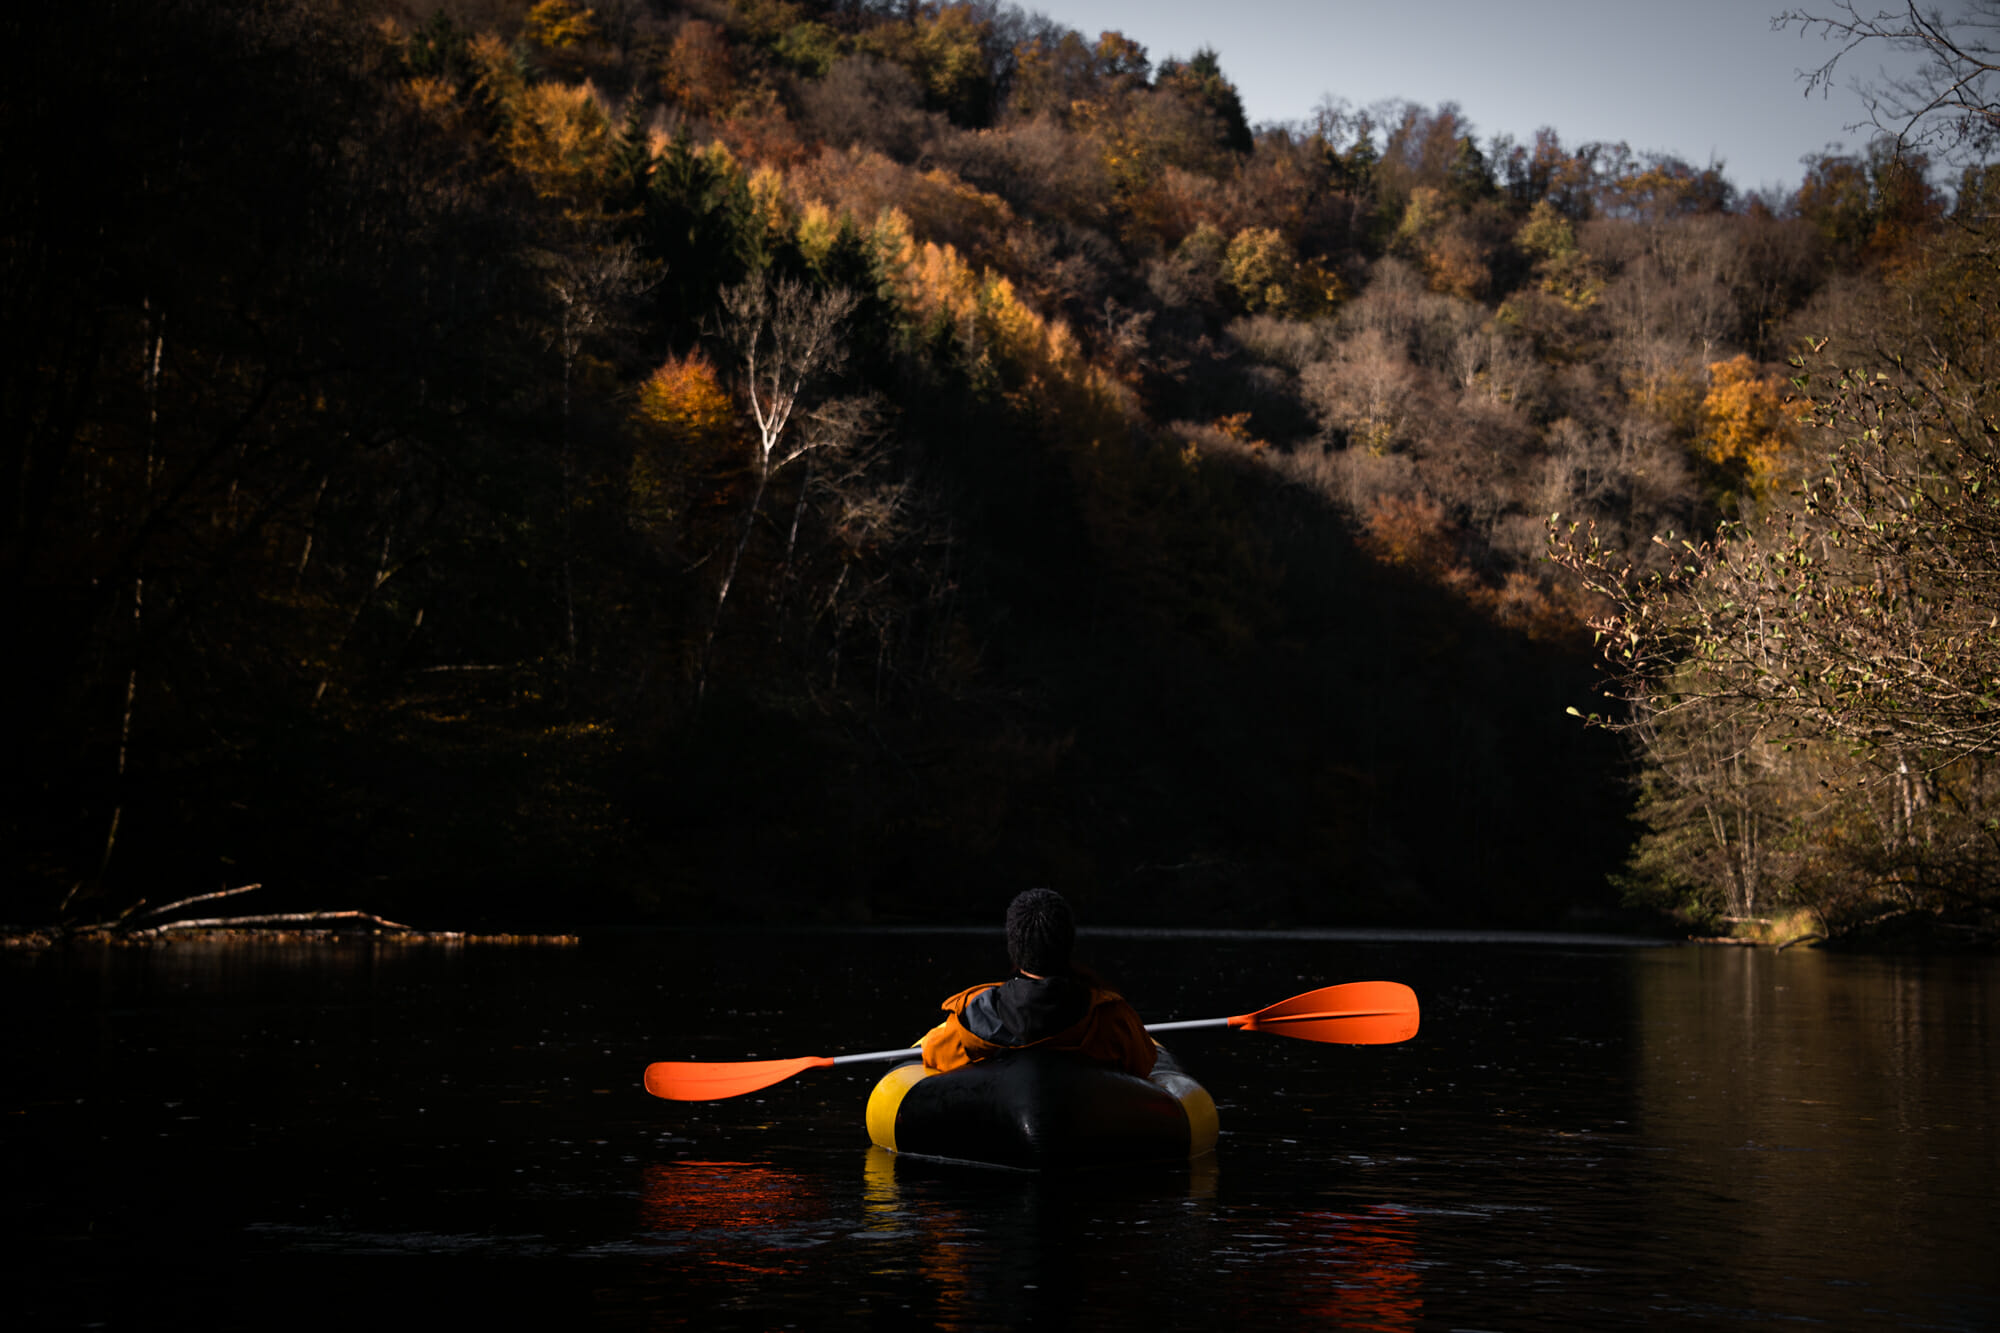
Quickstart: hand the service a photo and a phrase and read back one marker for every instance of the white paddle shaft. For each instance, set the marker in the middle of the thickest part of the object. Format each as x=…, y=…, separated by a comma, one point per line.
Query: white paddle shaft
x=911, y=1052
x=870, y=1057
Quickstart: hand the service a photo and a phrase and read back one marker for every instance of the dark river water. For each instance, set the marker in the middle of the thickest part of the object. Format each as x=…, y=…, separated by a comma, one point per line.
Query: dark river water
x=1585, y=1134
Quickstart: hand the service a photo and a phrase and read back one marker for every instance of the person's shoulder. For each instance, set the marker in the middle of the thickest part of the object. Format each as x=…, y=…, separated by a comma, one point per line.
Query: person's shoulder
x=1102, y=996
x=957, y=1003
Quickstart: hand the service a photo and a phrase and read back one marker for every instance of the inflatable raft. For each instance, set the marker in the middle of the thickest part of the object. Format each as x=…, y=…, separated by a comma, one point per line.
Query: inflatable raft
x=1042, y=1109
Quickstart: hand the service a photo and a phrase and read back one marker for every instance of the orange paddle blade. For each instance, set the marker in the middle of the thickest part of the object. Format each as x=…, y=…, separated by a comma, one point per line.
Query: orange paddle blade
x=1358, y=1013
x=687, y=1081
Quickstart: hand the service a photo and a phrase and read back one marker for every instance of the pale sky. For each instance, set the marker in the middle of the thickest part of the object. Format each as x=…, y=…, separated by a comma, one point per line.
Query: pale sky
x=1701, y=79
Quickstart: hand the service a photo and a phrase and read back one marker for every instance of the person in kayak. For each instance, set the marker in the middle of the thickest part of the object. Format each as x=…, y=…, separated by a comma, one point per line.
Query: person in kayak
x=1049, y=1003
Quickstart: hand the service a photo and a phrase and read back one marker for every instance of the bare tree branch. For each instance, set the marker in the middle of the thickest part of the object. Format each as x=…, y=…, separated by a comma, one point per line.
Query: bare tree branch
x=269, y=919
x=788, y=339
x=1951, y=105
x=175, y=906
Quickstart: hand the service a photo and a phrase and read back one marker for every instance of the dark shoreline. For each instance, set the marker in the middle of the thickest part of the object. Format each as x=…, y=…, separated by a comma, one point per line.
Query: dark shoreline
x=1908, y=938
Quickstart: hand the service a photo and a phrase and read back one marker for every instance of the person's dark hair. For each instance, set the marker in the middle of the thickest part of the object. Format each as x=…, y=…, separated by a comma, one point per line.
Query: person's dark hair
x=1040, y=933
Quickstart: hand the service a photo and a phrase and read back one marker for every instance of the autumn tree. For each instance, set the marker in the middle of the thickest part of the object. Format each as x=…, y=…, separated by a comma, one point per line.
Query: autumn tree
x=697, y=73
x=557, y=24
x=1258, y=267
x=1563, y=268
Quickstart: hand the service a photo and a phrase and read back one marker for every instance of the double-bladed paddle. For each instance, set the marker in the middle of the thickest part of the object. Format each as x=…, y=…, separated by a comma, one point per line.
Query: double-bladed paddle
x=1358, y=1013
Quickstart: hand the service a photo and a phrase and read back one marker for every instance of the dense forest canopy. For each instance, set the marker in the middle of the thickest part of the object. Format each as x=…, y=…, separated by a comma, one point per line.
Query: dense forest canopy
x=775, y=459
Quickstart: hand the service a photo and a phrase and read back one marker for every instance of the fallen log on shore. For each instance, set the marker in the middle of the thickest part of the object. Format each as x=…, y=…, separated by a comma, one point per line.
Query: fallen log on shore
x=130, y=927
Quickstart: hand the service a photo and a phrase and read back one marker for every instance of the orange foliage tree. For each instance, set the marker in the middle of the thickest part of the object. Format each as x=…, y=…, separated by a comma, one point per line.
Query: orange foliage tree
x=683, y=457
x=1414, y=533
x=697, y=74
x=685, y=402
x=1745, y=426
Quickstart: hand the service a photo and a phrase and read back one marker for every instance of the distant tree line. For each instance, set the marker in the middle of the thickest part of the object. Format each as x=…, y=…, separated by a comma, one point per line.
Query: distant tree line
x=757, y=459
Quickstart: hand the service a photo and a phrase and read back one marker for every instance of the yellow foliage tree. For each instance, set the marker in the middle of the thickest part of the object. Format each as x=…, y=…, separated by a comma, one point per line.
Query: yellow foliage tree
x=1260, y=267
x=556, y=24
x=817, y=231
x=1425, y=212
x=1566, y=271
x=1003, y=344
x=560, y=139
x=937, y=203
x=435, y=99
x=952, y=60
x=498, y=76
x=893, y=245
x=769, y=202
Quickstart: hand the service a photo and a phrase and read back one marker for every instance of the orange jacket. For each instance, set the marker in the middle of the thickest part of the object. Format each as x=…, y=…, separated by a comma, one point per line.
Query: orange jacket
x=1109, y=1032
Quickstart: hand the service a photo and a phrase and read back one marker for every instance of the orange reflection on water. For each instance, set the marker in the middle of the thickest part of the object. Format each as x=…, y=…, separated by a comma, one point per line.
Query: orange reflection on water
x=1360, y=1269
x=724, y=1196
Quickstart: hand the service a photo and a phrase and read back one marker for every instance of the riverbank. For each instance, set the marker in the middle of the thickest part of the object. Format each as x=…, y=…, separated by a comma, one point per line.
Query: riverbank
x=1897, y=931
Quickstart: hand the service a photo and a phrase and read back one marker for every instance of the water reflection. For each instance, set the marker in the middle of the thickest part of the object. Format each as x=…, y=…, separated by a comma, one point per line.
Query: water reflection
x=1808, y=1103
x=706, y=1200
x=1580, y=1138
x=1355, y=1269
x=995, y=1248
x=998, y=1248
x=1363, y=1269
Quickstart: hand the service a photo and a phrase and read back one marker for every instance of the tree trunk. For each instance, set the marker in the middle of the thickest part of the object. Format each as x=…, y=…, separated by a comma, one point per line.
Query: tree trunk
x=150, y=375
x=728, y=578
x=374, y=586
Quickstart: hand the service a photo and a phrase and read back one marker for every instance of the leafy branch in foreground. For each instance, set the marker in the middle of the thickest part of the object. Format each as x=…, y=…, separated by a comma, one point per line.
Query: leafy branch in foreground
x=1863, y=610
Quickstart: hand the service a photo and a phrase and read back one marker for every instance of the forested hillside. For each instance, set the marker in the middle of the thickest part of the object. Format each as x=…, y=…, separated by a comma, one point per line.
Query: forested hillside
x=774, y=460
